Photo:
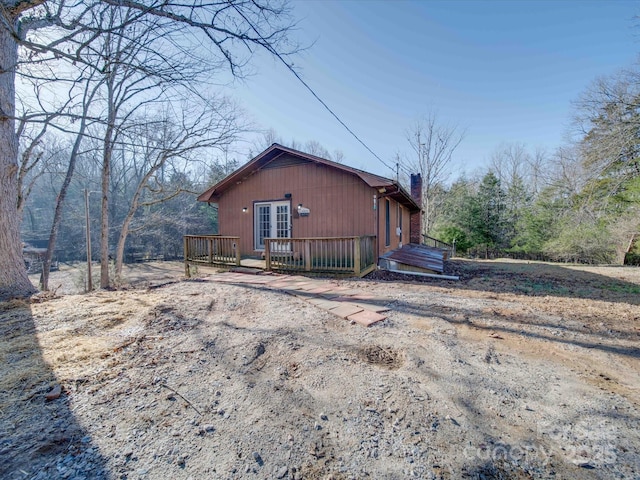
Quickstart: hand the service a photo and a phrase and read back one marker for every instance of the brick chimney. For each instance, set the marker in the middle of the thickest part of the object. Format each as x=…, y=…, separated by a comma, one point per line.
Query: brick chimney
x=415, y=228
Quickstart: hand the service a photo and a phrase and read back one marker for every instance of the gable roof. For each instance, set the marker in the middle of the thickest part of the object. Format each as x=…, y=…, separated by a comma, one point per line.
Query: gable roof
x=391, y=188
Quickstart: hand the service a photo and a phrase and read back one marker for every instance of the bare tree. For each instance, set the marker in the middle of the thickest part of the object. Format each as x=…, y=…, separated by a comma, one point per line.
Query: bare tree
x=337, y=156
x=89, y=92
x=569, y=175
x=313, y=147
x=265, y=140
x=30, y=157
x=538, y=168
x=433, y=144
x=231, y=29
x=509, y=162
x=210, y=126
x=608, y=119
x=13, y=275
x=269, y=138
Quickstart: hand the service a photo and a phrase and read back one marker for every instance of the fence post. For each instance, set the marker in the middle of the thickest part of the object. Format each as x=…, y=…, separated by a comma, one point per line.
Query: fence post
x=187, y=271
x=356, y=255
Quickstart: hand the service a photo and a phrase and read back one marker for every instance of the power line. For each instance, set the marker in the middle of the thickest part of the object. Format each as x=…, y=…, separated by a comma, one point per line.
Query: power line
x=274, y=52
x=322, y=102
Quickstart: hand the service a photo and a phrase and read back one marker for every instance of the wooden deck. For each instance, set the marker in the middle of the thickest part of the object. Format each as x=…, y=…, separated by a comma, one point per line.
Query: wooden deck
x=327, y=255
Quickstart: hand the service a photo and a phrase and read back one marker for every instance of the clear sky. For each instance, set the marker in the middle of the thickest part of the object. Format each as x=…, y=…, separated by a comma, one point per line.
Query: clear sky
x=507, y=71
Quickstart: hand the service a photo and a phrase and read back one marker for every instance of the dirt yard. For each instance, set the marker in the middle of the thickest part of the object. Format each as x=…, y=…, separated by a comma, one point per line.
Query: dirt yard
x=519, y=370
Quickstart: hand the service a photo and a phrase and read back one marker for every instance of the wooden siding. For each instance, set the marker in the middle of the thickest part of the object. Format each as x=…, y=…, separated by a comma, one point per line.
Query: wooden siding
x=396, y=210
x=340, y=203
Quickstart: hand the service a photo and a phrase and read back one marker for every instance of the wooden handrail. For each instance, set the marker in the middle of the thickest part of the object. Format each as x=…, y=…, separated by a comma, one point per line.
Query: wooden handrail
x=348, y=255
x=436, y=243
x=211, y=250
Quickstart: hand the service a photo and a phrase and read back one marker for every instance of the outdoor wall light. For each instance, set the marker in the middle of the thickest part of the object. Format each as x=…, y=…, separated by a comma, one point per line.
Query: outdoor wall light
x=302, y=211
x=244, y=209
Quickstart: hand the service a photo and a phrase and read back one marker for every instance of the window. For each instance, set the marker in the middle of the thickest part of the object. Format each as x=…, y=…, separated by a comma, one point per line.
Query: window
x=387, y=222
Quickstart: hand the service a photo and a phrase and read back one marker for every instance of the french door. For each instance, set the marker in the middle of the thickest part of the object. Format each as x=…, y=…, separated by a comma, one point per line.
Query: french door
x=272, y=220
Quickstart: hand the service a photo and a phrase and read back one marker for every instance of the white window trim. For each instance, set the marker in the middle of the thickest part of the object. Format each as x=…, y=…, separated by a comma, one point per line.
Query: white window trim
x=273, y=220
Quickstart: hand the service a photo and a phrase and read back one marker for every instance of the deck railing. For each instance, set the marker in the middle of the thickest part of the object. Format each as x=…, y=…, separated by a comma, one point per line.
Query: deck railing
x=345, y=255
x=211, y=250
x=434, y=242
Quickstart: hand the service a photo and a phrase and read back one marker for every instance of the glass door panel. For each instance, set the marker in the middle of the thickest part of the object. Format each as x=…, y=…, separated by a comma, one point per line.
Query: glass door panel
x=272, y=220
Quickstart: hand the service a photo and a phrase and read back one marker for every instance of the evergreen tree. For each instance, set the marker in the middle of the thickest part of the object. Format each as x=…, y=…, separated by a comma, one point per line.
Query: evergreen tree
x=455, y=223
x=487, y=214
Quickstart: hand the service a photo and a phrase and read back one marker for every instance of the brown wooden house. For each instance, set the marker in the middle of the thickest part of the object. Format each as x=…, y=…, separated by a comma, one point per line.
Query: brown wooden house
x=303, y=212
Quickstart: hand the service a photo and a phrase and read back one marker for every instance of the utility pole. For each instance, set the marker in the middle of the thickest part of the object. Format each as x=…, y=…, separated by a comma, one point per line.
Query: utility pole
x=86, y=214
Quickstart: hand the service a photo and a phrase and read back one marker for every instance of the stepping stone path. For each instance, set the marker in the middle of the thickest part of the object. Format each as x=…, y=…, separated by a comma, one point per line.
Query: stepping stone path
x=344, y=302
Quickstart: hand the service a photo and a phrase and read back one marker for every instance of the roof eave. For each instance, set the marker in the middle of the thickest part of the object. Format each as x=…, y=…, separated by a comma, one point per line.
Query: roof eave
x=401, y=196
x=371, y=179
x=206, y=196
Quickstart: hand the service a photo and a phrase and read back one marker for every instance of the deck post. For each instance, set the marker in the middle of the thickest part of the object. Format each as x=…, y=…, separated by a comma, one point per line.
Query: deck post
x=210, y=244
x=356, y=255
x=307, y=255
x=237, y=249
x=267, y=254
x=187, y=270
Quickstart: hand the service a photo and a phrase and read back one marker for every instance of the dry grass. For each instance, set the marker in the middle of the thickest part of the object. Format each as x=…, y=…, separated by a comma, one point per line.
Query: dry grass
x=564, y=350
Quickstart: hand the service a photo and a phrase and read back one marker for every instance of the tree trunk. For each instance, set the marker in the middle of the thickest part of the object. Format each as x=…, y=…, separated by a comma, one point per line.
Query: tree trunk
x=124, y=233
x=53, y=235
x=14, y=281
x=104, y=213
x=107, y=153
